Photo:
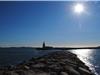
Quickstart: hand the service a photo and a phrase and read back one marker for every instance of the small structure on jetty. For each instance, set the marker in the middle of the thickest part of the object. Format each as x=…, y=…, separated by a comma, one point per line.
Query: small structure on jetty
x=44, y=47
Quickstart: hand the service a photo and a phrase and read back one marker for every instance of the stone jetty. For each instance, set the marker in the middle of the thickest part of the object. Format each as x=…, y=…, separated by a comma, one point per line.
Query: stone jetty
x=55, y=63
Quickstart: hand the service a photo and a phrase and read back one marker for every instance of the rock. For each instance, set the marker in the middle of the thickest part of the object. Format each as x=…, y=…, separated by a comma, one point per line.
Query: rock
x=71, y=70
x=39, y=65
x=64, y=73
x=26, y=67
x=53, y=73
x=42, y=73
x=9, y=73
x=82, y=70
x=20, y=72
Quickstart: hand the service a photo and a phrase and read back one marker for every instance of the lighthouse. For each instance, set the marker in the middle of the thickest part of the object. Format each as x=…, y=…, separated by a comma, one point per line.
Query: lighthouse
x=43, y=45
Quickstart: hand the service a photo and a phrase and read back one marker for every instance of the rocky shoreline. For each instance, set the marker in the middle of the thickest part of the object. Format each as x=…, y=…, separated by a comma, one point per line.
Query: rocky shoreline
x=55, y=63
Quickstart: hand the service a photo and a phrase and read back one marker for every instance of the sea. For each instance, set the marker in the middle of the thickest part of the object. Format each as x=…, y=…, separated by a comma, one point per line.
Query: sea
x=13, y=56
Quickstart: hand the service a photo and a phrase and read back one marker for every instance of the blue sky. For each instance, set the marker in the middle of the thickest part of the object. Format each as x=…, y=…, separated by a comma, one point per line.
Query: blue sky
x=30, y=23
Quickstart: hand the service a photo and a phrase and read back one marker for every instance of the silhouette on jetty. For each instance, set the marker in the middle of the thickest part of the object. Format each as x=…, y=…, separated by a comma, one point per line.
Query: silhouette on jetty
x=44, y=47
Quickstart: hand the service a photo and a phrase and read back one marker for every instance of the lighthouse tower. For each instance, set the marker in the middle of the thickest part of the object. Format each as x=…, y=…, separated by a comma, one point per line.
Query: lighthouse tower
x=43, y=45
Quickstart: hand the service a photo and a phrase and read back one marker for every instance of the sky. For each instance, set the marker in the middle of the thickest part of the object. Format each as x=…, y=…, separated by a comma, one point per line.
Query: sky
x=28, y=24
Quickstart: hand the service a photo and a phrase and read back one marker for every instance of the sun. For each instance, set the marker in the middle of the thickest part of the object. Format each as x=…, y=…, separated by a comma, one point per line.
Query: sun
x=79, y=8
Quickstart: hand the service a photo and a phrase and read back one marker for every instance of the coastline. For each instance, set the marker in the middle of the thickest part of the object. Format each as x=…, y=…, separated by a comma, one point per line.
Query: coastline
x=55, y=63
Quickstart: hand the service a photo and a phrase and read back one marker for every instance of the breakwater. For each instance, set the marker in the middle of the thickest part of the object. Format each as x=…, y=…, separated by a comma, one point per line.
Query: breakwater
x=55, y=63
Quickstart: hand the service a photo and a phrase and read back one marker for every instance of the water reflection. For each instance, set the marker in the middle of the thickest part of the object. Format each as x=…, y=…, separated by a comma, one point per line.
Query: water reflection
x=86, y=55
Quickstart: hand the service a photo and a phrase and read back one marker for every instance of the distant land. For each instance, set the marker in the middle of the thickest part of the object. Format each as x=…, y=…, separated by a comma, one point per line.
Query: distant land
x=44, y=47
x=51, y=48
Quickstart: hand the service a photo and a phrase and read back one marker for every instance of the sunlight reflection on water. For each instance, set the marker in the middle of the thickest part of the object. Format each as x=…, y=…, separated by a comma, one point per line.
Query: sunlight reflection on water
x=86, y=55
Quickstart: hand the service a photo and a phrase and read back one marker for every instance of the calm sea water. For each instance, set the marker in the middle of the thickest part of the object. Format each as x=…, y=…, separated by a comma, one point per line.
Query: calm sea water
x=14, y=56
x=91, y=57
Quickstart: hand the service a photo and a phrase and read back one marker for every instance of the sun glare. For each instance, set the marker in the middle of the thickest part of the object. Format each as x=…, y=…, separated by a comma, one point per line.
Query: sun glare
x=78, y=8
